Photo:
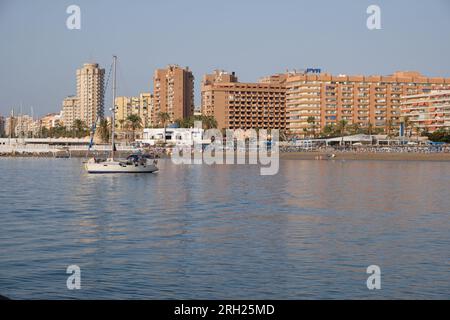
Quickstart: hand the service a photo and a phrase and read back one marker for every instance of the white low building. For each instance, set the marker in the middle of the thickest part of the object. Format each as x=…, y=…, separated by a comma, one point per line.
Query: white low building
x=175, y=136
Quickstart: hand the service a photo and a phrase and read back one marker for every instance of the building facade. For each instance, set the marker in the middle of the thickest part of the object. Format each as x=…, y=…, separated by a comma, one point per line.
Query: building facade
x=22, y=126
x=10, y=126
x=70, y=112
x=90, y=87
x=427, y=112
x=175, y=136
x=141, y=106
x=50, y=120
x=359, y=100
x=237, y=105
x=173, y=93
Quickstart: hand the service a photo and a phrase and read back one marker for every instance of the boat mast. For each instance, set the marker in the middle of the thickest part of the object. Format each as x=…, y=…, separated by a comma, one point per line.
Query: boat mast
x=11, y=125
x=114, y=107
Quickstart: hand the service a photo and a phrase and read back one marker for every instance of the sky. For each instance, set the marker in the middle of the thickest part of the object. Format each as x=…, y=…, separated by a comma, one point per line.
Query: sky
x=39, y=55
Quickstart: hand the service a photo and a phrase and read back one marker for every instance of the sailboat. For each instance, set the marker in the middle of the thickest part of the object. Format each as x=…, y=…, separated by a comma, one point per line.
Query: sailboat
x=135, y=163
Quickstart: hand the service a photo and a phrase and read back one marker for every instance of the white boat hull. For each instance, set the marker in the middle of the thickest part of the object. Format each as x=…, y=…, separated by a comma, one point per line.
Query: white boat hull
x=119, y=167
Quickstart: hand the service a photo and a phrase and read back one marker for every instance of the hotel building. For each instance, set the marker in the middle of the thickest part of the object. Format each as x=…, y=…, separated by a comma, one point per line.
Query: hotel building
x=244, y=106
x=429, y=111
x=173, y=93
x=361, y=100
x=126, y=106
x=70, y=112
x=90, y=93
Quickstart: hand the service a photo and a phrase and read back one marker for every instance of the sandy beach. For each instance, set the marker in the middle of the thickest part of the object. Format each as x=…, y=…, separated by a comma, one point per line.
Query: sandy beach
x=387, y=156
x=394, y=156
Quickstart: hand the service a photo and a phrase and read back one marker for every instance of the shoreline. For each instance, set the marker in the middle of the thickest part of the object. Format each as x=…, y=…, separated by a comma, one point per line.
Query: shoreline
x=381, y=156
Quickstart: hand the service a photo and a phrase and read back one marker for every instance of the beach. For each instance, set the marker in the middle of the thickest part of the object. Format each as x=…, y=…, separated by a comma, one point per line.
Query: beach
x=313, y=155
x=387, y=156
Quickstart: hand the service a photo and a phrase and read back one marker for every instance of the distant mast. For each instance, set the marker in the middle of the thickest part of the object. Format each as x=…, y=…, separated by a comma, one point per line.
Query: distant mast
x=11, y=122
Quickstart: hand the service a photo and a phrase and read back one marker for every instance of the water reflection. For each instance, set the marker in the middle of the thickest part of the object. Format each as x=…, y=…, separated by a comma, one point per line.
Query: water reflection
x=224, y=231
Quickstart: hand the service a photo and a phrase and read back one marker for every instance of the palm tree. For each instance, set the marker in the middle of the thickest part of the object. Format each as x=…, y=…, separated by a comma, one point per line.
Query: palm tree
x=389, y=126
x=209, y=122
x=407, y=124
x=283, y=135
x=121, y=124
x=164, y=117
x=104, y=130
x=44, y=132
x=59, y=131
x=183, y=123
x=79, y=129
x=370, y=128
x=312, y=123
x=342, y=128
x=134, y=123
x=328, y=130
x=418, y=131
x=305, y=130
x=355, y=128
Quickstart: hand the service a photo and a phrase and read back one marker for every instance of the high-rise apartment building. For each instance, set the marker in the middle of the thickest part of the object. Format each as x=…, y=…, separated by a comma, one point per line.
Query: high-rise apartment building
x=360, y=100
x=428, y=111
x=173, y=93
x=237, y=105
x=126, y=106
x=90, y=87
x=70, y=112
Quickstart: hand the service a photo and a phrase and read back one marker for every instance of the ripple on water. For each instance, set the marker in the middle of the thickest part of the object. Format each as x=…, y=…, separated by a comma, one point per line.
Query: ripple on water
x=224, y=231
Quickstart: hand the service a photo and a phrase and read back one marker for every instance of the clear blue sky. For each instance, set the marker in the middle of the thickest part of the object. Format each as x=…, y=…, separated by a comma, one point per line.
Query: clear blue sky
x=39, y=55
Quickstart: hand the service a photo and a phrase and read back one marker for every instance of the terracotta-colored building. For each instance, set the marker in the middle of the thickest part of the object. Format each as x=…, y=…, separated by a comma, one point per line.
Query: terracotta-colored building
x=173, y=91
x=428, y=111
x=357, y=99
x=245, y=106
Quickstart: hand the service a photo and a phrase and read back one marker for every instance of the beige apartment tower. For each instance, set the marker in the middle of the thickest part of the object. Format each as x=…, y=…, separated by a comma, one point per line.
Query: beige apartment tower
x=361, y=100
x=173, y=93
x=70, y=112
x=90, y=81
x=237, y=105
x=126, y=106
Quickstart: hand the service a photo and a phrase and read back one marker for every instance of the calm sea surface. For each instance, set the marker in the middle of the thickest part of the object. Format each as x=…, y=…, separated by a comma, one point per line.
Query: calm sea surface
x=225, y=232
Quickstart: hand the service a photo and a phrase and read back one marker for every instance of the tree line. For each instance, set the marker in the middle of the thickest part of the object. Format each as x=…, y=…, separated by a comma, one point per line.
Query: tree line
x=134, y=122
x=344, y=128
